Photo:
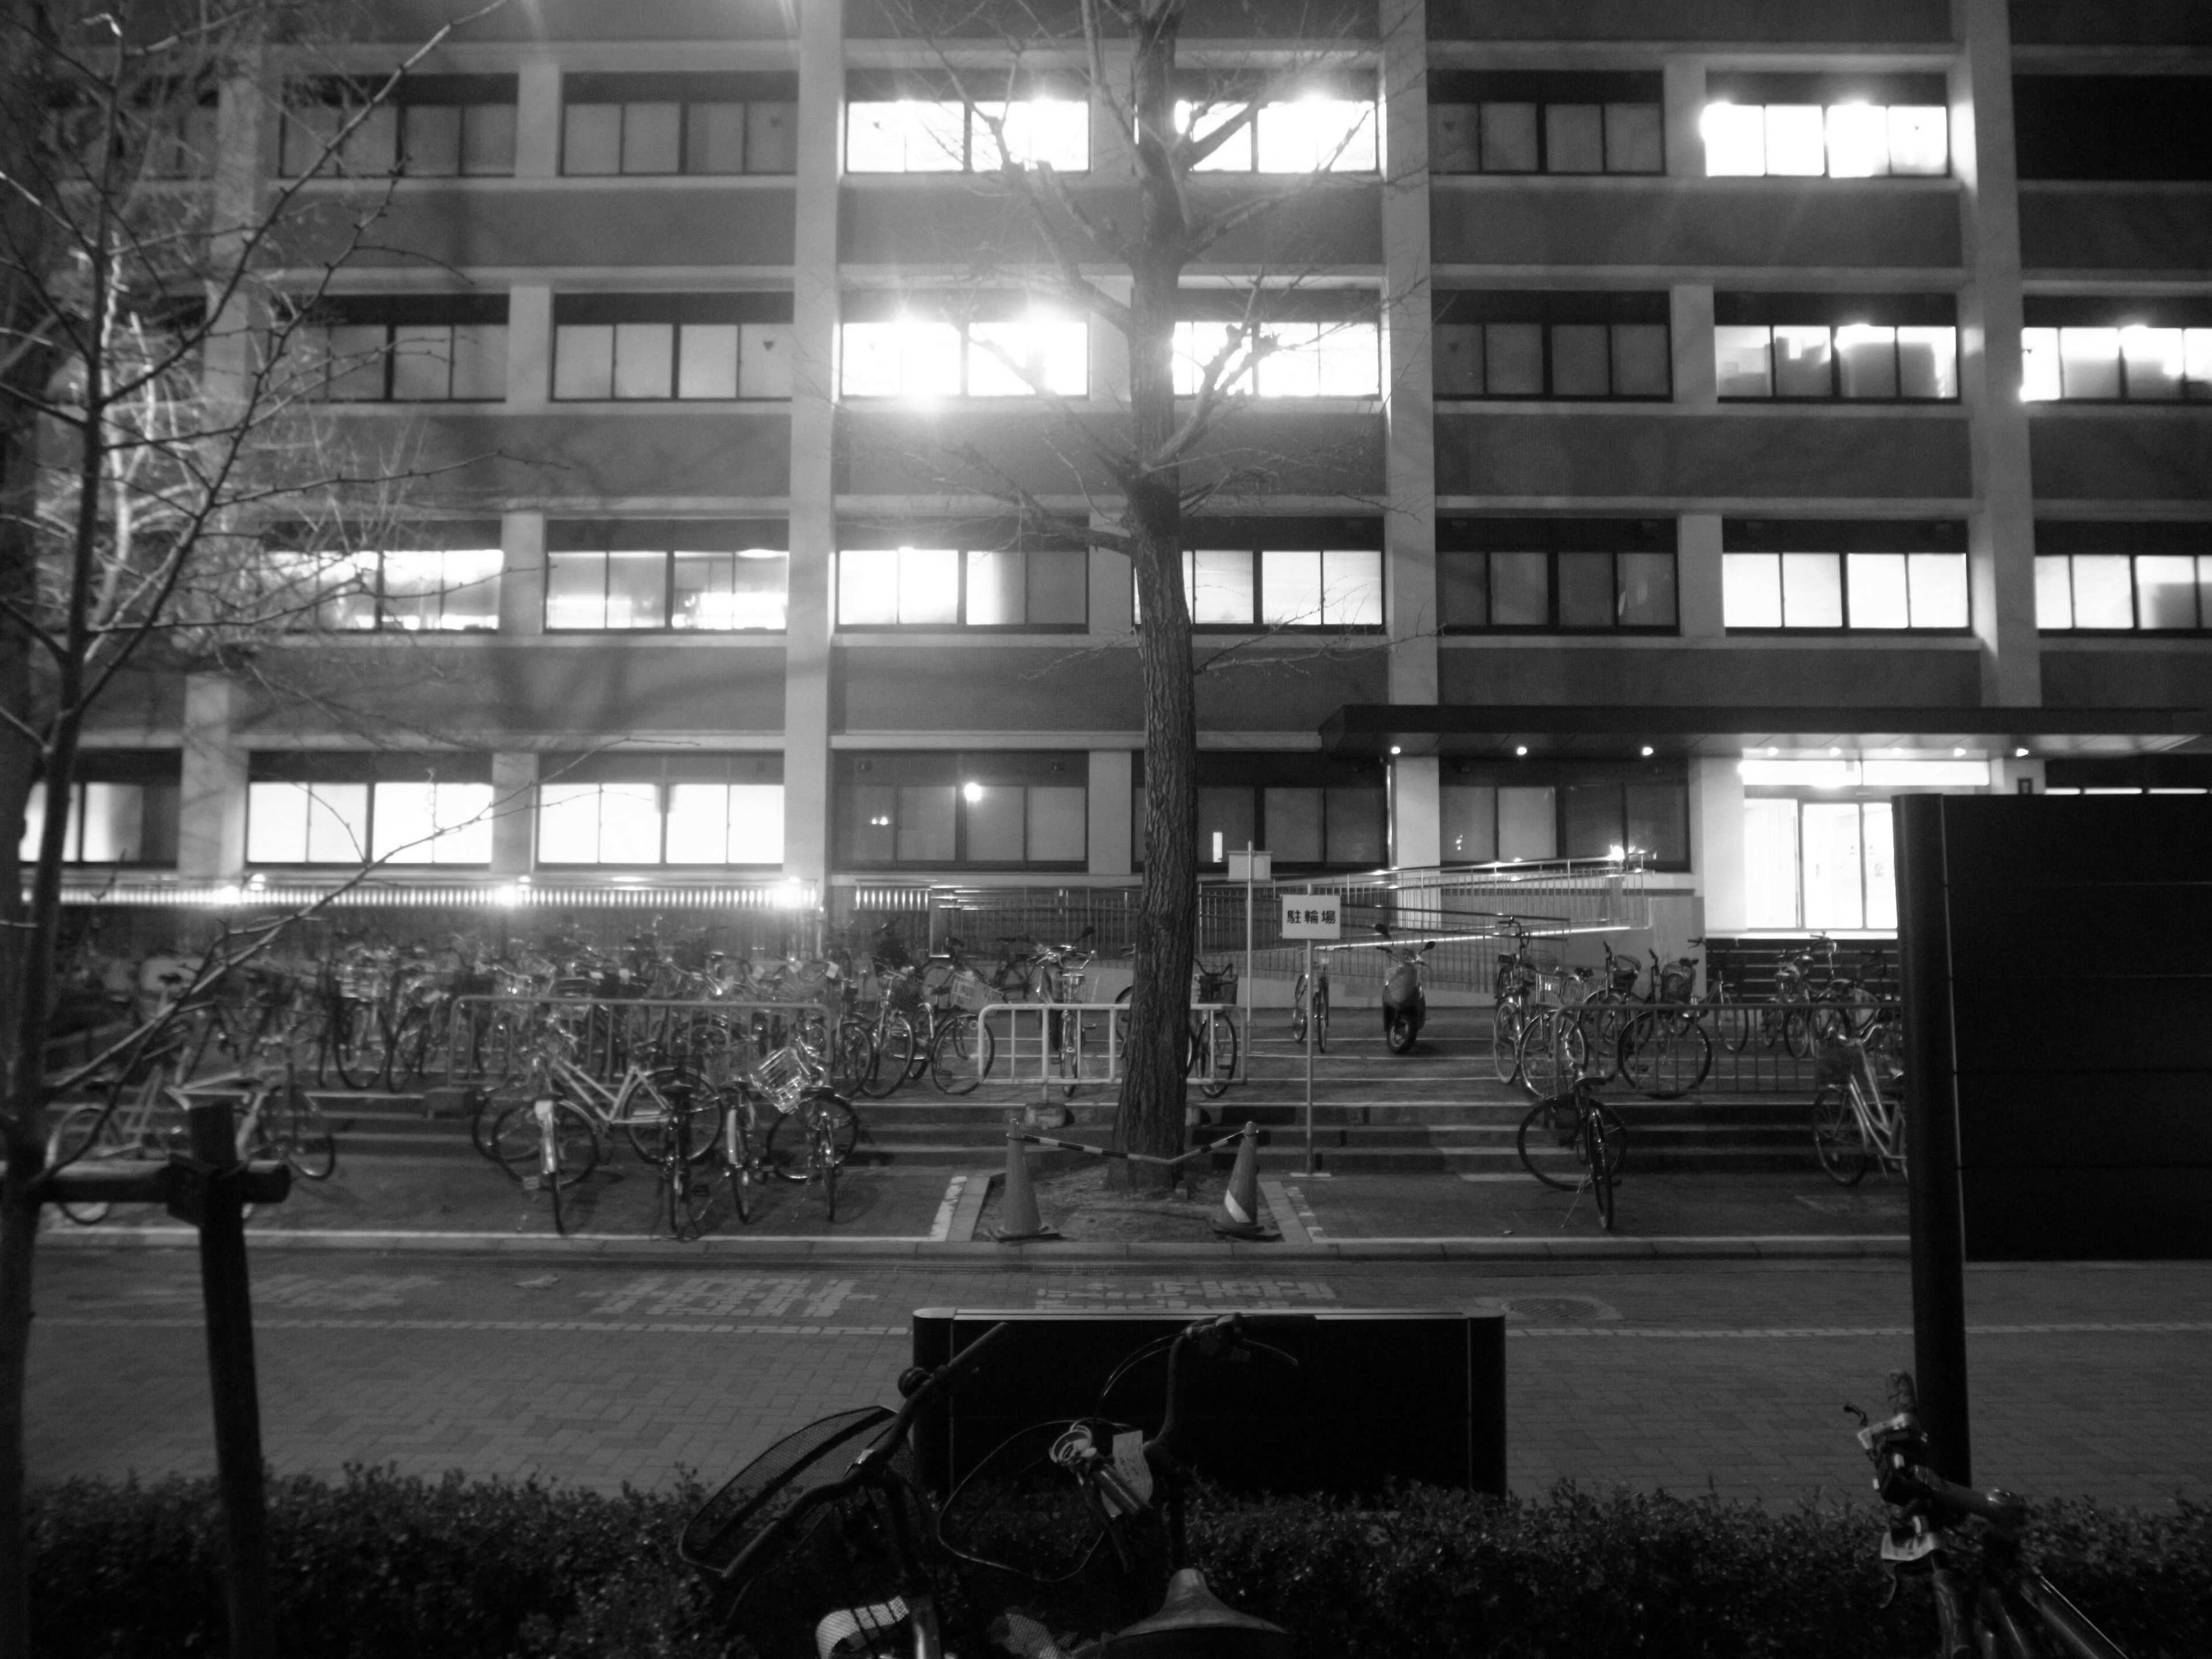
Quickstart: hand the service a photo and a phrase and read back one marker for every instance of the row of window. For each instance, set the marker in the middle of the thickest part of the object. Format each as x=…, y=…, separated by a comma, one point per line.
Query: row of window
x=1521, y=122
x=1819, y=864
x=1484, y=820
x=2140, y=363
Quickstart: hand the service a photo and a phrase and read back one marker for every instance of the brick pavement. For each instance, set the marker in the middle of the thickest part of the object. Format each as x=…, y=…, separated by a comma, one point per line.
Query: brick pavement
x=1689, y=1376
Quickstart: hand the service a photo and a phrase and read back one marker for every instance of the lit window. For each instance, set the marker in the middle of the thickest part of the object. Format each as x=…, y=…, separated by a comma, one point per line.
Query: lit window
x=914, y=356
x=1819, y=864
x=2138, y=363
x=717, y=591
x=431, y=823
x=1038, y=587
x=110, y=822
x=2154, y=592
x=1305, y=135
x=439, y=590
x=1286, y=588
x=921, y=134
x=343, y=821
x=642, y=821
x=1854, y=362
x=307, y=822
x=1852, y=139
x=678, y=124
x=1321, y=359
x=1873, y=591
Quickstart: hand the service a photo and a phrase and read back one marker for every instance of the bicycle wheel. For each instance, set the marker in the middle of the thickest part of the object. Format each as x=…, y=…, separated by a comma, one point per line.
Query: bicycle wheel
x=961, y=1056
x=1550, y=1144
x=1321, y=1017
x=1601, y=1022
x=894, y=1054
x=789, y=1143
x=412, y=1043
x=1299, y=1012
x=359, y=1044
x=1548, y=1034
x=519, y=1143
x=1506, y=1021
x=1597, y=1153
x=1221, y=1057
x=740, y=1163
x=1736, y=1025
x=824, y=1158
x=852, y=1059
x=1797, y=1033
x=1836, y=1141
x=690, y=1193
x=1664, y=1056
x=303, y=1137
x=85, y=1134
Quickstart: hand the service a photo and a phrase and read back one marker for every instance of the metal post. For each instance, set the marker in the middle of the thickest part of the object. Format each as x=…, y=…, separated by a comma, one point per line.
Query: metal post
x=1311, y=988
x=231, y=1381
x=1243, y=1059
x=1931, y=1136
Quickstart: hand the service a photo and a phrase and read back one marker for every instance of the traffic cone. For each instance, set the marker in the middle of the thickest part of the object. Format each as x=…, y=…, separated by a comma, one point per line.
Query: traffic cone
x=1240, y=1205
x=1018, y=1210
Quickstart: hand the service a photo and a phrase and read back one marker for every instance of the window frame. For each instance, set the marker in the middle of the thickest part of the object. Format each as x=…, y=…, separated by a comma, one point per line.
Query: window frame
x=742, y=309
x=2070, y=540
x=686, y=90
x=334, y=583
x=879, y=309
x=1839, y=539
x=1559, y=777
x=664, y=775
x=1256, y=775
x=1324, y=309
x=1828, y=93
x=1478, y=308
x=455, y=767
x=1835, y=313
x=157, y=775
x=476, y=96
x=1256, y=538
x=671, y=540
x=867, y=89
x=314, y=328
x=958, y=772
x=1462, y=537
x=2056, y=315
x=1542, y=90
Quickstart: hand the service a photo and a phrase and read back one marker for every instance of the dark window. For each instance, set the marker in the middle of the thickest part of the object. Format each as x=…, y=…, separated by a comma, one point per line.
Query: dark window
x=1556, y=575
x=987, y=810
x=1537, y=122
x=1310, y=811
x=673, y=124
x=659, y=346
x=431, y=126
x=2113, y=126
x=1527, y=810
x=427, y=348
x=1518, y=344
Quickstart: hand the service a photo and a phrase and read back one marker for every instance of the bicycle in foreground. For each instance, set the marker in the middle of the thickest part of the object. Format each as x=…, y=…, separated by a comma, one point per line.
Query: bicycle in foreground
x=1989, y=1602
x=1857, y=1125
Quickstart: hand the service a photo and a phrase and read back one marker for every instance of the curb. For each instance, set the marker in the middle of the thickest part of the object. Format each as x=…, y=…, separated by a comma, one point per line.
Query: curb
x=979, y=1253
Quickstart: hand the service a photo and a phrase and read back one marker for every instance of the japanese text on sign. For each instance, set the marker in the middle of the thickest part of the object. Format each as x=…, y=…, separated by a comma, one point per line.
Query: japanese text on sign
x=1312, y=915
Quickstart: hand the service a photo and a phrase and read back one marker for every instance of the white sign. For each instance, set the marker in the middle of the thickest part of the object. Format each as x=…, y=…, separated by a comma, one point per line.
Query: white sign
x=1313, y=915
x=1251, y=866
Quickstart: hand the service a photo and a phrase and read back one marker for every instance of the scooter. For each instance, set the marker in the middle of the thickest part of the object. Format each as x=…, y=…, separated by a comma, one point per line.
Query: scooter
x=1405, y=1004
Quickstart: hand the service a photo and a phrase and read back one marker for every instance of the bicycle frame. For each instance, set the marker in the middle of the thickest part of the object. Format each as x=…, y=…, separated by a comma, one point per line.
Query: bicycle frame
x=1882, y=1125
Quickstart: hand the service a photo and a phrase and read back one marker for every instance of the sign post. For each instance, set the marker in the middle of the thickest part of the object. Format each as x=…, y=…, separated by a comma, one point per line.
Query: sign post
x=1311, y=916
x=1254, y=867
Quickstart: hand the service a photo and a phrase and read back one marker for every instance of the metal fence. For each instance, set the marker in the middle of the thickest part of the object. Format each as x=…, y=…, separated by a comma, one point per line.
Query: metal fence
x=492, y=1036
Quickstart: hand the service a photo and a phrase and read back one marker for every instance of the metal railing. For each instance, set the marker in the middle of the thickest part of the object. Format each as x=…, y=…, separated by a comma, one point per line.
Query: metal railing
x=1076, y=1043
x=492, y=1036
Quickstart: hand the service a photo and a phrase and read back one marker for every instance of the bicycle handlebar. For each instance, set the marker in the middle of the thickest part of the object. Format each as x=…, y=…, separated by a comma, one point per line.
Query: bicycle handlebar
x=1212, y=1337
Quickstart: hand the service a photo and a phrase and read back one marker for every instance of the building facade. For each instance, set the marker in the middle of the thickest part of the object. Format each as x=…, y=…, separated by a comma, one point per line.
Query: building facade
x=1693, y=421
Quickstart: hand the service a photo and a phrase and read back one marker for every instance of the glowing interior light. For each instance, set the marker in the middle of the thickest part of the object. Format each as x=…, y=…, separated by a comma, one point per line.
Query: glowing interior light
x=2020, y=753
x=1858, y=141
x=972, y=791
x=1647, y=751
x=1521, y=748
x=1735, y=140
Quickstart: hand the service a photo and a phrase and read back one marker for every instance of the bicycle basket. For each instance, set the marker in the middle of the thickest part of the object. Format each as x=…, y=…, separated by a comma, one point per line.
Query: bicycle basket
x=1564, y=1118
x=1674, y=984
x=832, y=1582
x=970, y=994
x=784, y=1076
x=1217, y=986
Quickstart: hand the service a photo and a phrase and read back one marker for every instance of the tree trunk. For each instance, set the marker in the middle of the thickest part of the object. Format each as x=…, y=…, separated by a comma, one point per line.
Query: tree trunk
x=19, y=1237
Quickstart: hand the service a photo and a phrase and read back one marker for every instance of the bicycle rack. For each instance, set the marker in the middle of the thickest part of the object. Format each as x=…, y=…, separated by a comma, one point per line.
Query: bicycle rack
x=1089, y=1037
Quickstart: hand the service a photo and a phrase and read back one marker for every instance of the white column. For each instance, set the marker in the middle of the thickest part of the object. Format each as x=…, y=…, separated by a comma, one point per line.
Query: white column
x=537, y=119
x=1698, y=575
x=1416, y=812
x=529, y=346
x=2001, y=531
x=1685, y=105
x=1717, y=841
x=211, y=806
x=807, y=661
x=1690, y=313
x=515, y=801
x=522, y=574
x=1113, y=778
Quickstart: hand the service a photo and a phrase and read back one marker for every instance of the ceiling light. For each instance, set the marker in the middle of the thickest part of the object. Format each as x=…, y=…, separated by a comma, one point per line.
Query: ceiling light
x=1647, y=751
x=1395, y=749
x=1958, y=754
x=974, y=791
x=2020, y=753
x=1521, y=748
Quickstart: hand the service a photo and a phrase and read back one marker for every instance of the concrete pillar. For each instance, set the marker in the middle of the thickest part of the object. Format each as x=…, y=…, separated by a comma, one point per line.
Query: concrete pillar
x=1690, y=314
x=514, y=807
x=211, y=806
x=1113, y=590
x=1416, y=812
x=807, y=659
x=522, y=575
x=1698, y=575
x=1113, y=777
x=1716, y=841
x=537, y=119
x=245, y=143
x=1409, y=528
x=529, y=347
x=2001, y=531
x=1686, y=106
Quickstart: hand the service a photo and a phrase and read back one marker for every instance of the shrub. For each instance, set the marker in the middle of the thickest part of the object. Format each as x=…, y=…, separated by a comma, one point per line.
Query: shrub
x=376, y=1566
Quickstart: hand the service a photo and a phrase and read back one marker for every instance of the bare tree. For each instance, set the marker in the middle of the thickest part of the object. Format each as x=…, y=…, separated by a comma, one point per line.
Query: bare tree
x=1171, y=449
x=155, y=418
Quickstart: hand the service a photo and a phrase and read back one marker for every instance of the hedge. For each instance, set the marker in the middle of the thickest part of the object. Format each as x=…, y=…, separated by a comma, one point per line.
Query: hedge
x=378, y=1564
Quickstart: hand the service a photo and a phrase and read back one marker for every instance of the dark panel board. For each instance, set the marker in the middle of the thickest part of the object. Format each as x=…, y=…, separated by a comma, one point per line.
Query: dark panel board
x=2012, y=1120
x=2142, y=227
x=1854, y=21
x=964, y=222
x=2127, y=678
x=2142, y=1214
x=1751, y=223
x=414, y=20
x=900, y=451
x=1061, y=686
x=2110, y=1025
x=2113, y=126
x=705, y=224
x=2111, y=23
x=1202, y=19
x=2007, y=841
x=2153, y=927
x=1680, y=673
x=2120, y=455
x=669, y=451
x=1764, y=453
x=1253, y=1425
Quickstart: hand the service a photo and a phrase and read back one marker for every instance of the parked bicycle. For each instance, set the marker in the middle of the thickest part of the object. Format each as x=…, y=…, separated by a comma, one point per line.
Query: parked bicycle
x=1317, y=1003
x=1576, y=1142
x=1990, y=1602
x=1858, y=1125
